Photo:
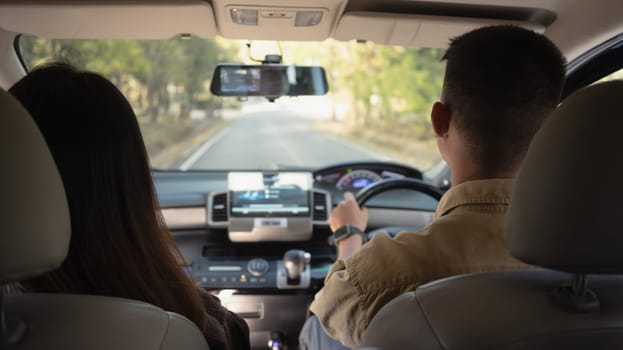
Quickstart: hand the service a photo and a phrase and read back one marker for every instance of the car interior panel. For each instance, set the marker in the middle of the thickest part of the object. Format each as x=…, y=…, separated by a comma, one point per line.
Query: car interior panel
x=246, y=179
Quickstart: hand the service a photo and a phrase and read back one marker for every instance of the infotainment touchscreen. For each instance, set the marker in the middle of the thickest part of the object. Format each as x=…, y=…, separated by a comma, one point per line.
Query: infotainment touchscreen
x=256, y=194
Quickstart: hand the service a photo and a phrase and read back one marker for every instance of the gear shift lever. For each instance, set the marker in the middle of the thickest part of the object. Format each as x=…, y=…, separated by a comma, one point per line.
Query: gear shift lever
x=295, y=261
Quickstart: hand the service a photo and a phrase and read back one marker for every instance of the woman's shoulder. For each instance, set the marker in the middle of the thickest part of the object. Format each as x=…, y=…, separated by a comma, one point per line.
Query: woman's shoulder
x=226, y=329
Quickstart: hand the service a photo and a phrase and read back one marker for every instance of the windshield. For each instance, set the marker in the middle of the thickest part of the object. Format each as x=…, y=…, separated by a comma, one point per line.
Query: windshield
x=377, y=108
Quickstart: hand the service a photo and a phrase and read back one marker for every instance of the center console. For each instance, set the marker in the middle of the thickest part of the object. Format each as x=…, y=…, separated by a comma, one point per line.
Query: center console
x=246, y=236
x=293, y=271
x=269, y=216
x=266, y=252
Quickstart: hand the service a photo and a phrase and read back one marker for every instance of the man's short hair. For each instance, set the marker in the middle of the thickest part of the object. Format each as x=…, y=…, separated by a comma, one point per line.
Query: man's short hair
x=502, y=81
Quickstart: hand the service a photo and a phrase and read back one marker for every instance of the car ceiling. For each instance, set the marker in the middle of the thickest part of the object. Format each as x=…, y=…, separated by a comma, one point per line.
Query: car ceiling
x=574, y=25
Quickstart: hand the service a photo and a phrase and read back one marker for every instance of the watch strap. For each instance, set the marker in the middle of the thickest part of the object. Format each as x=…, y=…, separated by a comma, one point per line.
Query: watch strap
x=347, y=231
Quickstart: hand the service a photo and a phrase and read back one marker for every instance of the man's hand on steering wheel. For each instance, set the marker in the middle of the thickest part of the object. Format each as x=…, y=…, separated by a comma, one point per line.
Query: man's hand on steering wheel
x=348, y=212
x=350, y=215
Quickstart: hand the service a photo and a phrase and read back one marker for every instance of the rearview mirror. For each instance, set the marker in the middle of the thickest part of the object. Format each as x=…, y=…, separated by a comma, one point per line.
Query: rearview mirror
x=268, y=80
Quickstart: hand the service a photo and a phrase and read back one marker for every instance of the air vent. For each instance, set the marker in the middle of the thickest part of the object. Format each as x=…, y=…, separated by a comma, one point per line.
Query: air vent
x=219, y=208
x=320, y=212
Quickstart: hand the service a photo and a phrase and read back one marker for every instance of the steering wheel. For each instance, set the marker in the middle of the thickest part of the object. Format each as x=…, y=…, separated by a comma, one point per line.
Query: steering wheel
x=365, y=194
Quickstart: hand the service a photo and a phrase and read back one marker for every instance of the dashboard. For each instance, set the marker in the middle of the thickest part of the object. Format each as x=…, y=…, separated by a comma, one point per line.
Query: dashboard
x=226, y=219
x=241, y=232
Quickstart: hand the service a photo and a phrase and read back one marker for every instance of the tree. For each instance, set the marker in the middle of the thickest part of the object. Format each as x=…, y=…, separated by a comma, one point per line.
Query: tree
x=390, y=88
x=154, y=64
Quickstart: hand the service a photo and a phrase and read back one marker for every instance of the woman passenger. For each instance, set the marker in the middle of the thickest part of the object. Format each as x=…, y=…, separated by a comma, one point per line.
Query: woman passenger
x=120, y=245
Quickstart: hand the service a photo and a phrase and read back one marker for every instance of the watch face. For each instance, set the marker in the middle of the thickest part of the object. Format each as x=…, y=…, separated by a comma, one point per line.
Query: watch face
x=346, y=231
x=340, y=232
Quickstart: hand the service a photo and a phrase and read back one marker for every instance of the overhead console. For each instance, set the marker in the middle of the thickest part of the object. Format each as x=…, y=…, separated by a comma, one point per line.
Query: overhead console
x=270, y=206
x=277, y=19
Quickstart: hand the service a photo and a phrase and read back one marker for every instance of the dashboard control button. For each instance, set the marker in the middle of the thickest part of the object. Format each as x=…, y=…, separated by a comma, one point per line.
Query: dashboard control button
x=258, y=267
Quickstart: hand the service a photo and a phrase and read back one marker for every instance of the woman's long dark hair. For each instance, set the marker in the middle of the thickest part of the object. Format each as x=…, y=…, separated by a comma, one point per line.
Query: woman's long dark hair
x=120, y=245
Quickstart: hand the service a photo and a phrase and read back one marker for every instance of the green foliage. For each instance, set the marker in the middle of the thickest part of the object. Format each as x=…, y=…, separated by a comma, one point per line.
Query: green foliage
x=152, y=74
x=389, y=88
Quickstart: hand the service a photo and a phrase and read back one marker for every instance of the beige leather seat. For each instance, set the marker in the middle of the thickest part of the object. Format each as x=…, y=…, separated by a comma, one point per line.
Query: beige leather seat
x=566, y=216
x=34, y=238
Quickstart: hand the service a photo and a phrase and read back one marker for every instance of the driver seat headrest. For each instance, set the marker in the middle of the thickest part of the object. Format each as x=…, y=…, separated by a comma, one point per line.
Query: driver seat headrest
x=35, y=216
x=566, y=206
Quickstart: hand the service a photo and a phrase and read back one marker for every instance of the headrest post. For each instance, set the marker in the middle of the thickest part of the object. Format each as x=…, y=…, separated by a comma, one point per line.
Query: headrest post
x=579, y=284
x=3, y=325
x=12, y=331
x=577, y=297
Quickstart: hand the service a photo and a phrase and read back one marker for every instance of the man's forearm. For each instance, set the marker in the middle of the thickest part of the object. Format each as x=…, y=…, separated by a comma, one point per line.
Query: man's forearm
x=338, y=308
x=348, y=246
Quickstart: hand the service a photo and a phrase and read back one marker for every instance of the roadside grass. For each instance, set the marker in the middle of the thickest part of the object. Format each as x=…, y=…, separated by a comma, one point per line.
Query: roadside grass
x=390, y=143
x=169, y=143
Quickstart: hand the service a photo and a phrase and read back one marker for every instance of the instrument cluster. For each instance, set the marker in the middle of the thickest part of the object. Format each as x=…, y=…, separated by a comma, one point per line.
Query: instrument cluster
x=353, y=177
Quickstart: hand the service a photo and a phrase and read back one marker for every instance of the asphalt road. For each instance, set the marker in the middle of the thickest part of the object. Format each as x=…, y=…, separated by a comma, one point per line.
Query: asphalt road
x=265, y=139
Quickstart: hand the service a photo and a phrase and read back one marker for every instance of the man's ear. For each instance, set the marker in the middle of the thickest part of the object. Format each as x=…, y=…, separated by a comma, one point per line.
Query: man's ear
x=440, y=119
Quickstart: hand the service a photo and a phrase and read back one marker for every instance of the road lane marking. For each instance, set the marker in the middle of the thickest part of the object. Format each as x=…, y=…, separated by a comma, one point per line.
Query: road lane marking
x=291, y=154
x=190, y=161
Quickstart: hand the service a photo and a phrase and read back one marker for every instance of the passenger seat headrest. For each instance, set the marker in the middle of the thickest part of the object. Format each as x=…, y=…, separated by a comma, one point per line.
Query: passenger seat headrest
x=34, y=215
x=567, y=206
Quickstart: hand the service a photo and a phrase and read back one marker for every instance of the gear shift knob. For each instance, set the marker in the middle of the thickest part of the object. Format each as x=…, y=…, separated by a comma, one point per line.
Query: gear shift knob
x=295, y=261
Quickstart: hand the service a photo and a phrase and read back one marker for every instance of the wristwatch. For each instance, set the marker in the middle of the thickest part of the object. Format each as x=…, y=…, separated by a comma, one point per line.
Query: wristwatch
x=346, y=231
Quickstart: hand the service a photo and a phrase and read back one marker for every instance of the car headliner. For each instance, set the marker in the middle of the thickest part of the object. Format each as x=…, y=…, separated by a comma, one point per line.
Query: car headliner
x=574, y=25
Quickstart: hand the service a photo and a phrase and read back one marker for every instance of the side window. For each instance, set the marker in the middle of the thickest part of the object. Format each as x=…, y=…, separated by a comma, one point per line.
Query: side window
x=612, y=76
x=602, y=63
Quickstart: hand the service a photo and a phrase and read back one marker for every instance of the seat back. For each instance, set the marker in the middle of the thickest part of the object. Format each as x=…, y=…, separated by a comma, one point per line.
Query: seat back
x=564, y=215
x=64, y=321
x=35, y=239
x=499, y=310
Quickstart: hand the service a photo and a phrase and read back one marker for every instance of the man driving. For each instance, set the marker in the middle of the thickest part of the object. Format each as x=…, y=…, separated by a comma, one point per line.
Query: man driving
x=500, y=83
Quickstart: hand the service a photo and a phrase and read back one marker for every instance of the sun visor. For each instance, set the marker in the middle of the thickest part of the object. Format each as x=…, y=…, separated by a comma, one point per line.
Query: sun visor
x=413, y=30
x=110, y=21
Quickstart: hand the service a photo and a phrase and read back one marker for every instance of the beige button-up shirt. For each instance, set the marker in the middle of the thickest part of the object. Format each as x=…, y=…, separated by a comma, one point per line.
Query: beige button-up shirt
x=467, y=235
